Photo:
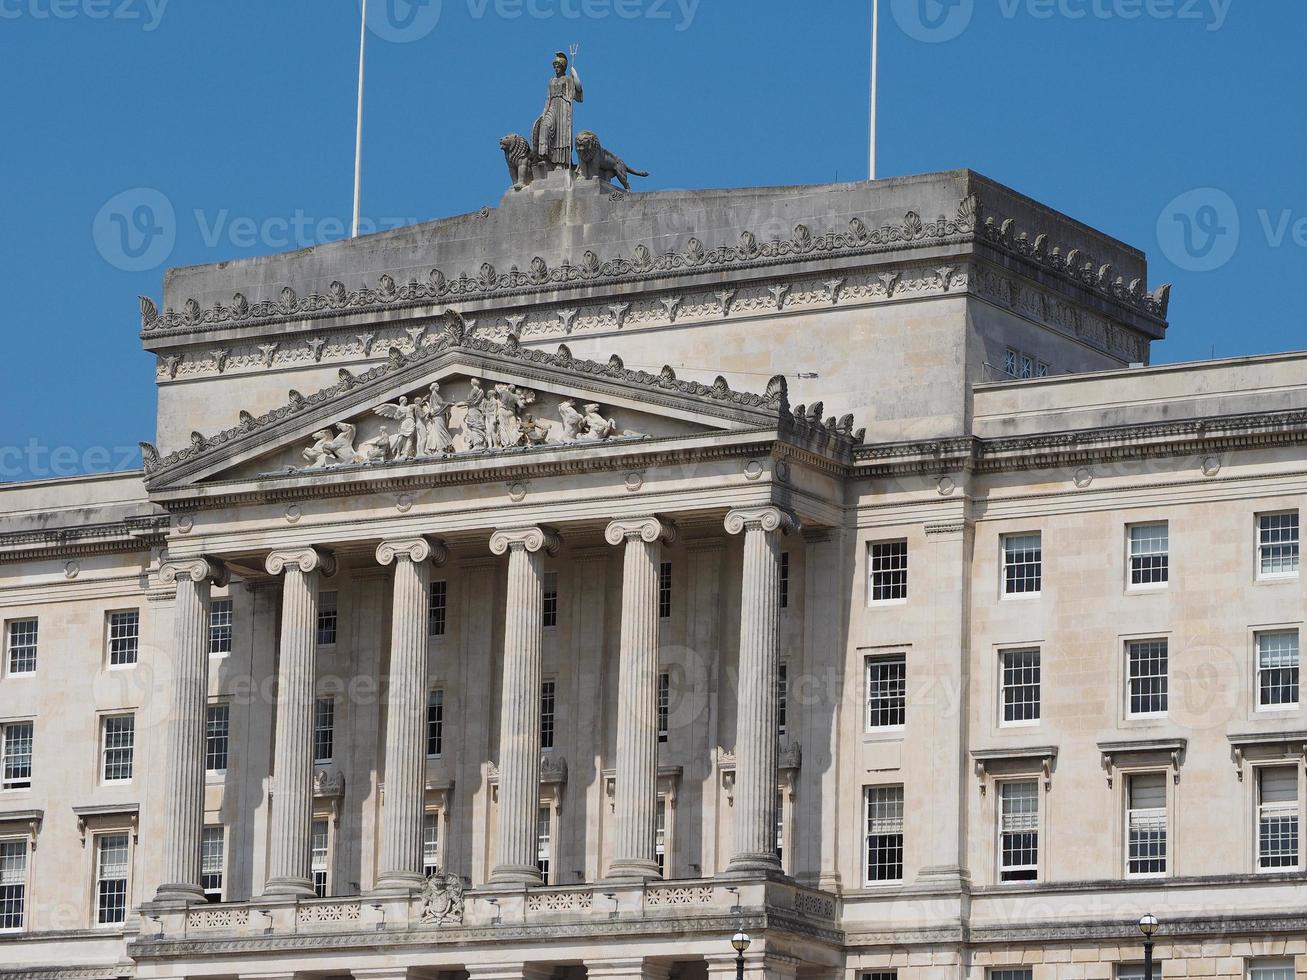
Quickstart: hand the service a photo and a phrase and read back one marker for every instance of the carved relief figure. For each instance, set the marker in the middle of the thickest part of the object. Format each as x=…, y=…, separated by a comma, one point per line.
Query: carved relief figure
x=601, y=163
x=332, y=449
x=597, y=427
x=405, y=443
x=474, y=423
x=378, y=449
x=442, y=898
x=512, y=401
x=435, y=412
x=535, y=432
x=552, y=134
x=573, y=421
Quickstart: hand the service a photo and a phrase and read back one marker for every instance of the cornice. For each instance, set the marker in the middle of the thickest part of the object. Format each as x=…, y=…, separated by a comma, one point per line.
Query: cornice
x=128, y=535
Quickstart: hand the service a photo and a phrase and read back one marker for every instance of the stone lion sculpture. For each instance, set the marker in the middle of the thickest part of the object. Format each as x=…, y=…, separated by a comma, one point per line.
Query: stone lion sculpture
x=604, y=164
x=521, y=160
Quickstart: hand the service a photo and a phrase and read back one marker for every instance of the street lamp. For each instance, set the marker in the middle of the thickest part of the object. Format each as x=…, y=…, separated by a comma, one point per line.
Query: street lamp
x=1148, y=926
x=741, y=942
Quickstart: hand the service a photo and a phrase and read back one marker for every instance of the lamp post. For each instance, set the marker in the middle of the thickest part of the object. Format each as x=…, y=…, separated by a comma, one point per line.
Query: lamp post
x=1148, y=926
x=741, y=942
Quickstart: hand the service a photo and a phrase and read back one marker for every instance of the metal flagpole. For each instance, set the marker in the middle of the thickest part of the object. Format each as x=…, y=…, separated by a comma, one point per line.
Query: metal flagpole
x=358, y=139
x=875, y=74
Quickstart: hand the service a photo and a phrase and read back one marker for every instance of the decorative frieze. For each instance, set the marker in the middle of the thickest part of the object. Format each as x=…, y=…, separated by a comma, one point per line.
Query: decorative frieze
x=679, y=896
x=559, y=901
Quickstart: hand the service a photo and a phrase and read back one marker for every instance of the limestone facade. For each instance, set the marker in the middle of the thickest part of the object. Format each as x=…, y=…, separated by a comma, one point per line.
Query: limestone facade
x=552, y=591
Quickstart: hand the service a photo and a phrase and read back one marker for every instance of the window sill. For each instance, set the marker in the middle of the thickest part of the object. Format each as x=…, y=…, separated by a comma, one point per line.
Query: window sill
x=115, y=667
x=1161, y=589
x=884, y=734
x=886, y=603
x=1276, y=579
x=1020, y=596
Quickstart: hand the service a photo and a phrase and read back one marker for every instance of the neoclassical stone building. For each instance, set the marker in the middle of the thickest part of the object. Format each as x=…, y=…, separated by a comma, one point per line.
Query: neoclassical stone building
x=548, y=592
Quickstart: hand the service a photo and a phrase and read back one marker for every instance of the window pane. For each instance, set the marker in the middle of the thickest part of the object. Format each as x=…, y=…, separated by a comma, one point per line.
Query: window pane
x=13, y=883
x=1149, y=554
x=1021, y=686
x=435, y=723
x=212, y=862
x=547, y=715
x=1146, y=822
x=889, y=570
x=887, y=686
x=785, y=580
x=664, y=706
x=17, y=750
x=22, y=646
x=1022, y=563
x=111, y=878
x=220, y=627
x=1019, y=831
x=438, y=609
x=430, y=843
x=1011, y=974
x=1277, y=818
x=124, y=638
x=327, y=618
x=119, y=745
x=782, y=698
x=1149, y=683
x=884, y=806
x=549, y=611
x=1277, y=669
x=542, y=842
x=1271, y=970
x=665, y=590
x=319, y=844
x=217, y=737
x=1277, y=543
x=324, y=730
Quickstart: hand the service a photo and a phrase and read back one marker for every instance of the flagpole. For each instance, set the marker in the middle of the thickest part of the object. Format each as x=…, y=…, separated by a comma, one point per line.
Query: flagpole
x=358, y=138
x=875, y=77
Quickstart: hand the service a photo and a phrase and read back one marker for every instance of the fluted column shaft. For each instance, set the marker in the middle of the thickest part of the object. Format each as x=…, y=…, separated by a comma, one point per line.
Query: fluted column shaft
x=755, y=730
x=188, y=699
x=289, y=859
x=400, y=868
x=634, y=850
x=519, y=730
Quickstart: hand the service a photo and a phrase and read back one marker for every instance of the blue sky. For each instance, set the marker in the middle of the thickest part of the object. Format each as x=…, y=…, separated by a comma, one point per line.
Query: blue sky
x=1172, y=124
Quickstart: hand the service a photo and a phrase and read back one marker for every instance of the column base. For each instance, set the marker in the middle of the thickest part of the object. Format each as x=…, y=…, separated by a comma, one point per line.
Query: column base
x=634, y=869
x=289, y=887
x=399, y=883
x=510, y=875
x=754, y=864
x=178, y=894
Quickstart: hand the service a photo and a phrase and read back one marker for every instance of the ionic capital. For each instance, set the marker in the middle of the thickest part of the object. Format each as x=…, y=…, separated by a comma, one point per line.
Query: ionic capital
x=766, y=518
x=307, y=560
x=417, y=550
x=647, y=529
x=196, y=569
x=531, y=539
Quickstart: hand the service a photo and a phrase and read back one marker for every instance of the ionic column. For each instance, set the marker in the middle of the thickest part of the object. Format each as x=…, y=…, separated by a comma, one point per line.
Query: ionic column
x=400, y=866
x=755, y=726
x=189, y=695
x=519, y=728
x=637, y=719
x=289, y=869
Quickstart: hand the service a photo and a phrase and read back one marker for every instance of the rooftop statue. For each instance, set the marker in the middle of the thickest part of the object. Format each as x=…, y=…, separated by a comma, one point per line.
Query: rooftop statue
x=552, y=136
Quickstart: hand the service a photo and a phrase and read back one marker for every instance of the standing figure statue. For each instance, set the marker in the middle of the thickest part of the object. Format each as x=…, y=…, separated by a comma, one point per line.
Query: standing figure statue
x=435, y=412
x=405, y=444
x=474, y=423
x=513, y=401
x=552, y=135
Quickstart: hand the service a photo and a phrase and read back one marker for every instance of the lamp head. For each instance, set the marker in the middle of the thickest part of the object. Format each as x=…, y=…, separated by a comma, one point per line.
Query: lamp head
x=1148, y=925
x=740, y=941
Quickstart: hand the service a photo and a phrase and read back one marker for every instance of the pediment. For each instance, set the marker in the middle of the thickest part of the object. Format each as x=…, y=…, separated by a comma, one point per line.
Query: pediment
x=462, y=398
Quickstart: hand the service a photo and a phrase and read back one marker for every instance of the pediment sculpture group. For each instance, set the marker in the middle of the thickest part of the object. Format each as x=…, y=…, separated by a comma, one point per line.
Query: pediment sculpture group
x=495, y=418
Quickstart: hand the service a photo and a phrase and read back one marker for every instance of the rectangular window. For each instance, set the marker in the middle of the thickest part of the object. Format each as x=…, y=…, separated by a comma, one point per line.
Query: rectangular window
x=1148, y=664
x=1023, y=564
x=220, y=627
x=1270, y=970
x=1041, y=370
x=1027, y=366
x=430, y=843
x=111, y=857
x=22, y=646
x=889, y=571
x=1150, y=555
x=119, y=747
x=665, y=590
x=13, y=884
x=1021, y=682
x=217, y=737
x=1019, y=831
x=124, y=638
x=324, y=730
x=547, y=715
x=543, y=842
x=785, y=580
x=664, y=706
x=1277, y=818
x=328, y=619
x=213, y=848
x=549, y=609
x=780, y=828
x=1020, y=973
x=16, y=747
x=319, y=857
x=660, y=836
x=881, y=975
x=782, y=699
x=887, y=691
x=1146, y=824
x=1277, y=544
x=1010, y=363
x=438, y=608
x=435, y=724
x=884, y=806
x=1277, y=670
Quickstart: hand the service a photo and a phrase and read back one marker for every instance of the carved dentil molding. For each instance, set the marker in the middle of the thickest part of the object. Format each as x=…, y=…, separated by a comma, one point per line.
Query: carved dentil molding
x=416, y=550
x=531, y=539
x=307, y=559
x=767, y=518
x=196, y=569
x=647, y=529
